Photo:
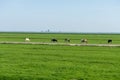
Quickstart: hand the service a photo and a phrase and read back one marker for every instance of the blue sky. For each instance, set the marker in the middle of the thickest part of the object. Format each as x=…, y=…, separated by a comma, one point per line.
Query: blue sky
x=60, y=15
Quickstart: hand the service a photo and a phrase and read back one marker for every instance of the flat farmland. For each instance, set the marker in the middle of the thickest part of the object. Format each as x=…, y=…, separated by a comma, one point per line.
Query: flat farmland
x=74, y=37
x=57, y=62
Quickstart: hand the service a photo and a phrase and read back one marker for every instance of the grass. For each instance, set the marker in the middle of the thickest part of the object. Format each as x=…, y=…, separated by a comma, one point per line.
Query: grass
x=55, y=62
x=75, y=38
x=43, y=62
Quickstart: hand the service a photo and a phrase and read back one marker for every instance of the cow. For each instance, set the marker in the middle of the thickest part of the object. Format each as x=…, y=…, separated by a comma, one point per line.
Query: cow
x=27, y=39
x=67, y=40
x=109, y=41
x=54, y=40
x=84, y=41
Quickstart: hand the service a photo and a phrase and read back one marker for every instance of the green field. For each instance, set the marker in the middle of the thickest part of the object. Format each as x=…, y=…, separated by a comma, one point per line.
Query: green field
x=75, y=38
x=55, y=62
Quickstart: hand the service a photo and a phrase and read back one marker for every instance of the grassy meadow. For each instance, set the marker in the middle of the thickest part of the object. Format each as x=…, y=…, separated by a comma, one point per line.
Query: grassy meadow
x=54, y=62
x=46, y=37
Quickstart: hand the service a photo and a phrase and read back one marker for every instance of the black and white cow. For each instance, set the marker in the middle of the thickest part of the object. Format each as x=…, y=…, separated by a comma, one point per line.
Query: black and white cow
x=67, y=40
x=84, y=41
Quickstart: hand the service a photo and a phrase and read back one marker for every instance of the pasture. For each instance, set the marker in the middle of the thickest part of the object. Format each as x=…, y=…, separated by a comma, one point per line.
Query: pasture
x=57, y=62
x=46, y=37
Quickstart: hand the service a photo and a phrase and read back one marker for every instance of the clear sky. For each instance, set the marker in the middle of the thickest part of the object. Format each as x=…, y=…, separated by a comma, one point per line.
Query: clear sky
x=60, y=15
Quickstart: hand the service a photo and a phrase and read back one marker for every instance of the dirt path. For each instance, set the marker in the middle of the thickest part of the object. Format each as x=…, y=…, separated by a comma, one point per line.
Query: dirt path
x=64, y=44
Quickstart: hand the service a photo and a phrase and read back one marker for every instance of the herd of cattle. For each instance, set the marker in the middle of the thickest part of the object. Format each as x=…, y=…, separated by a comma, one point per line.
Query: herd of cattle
x=82, y=40
x=68, y=40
